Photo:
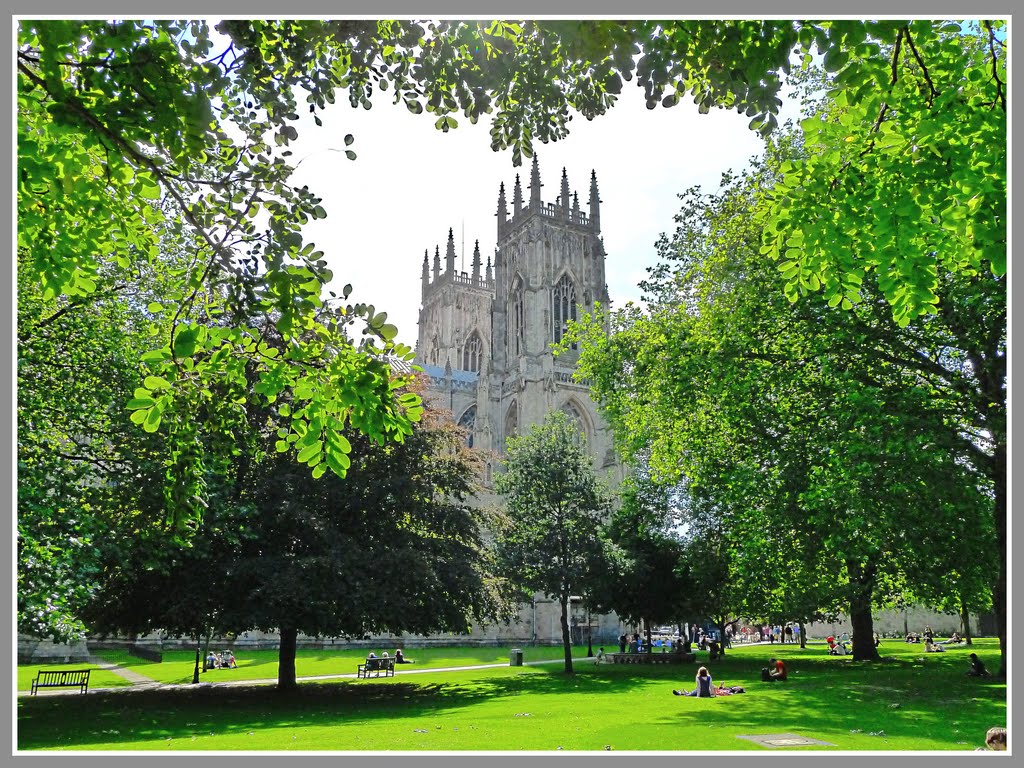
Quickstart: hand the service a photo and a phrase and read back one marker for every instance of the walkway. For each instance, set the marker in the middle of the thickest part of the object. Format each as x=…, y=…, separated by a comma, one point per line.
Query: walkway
x=141, y=682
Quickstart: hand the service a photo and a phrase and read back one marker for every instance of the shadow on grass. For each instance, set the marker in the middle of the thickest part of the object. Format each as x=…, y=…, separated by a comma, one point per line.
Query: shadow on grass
x=905, y=696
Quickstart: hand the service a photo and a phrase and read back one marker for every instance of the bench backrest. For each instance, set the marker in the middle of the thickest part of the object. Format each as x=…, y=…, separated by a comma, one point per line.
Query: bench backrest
x=64, y=677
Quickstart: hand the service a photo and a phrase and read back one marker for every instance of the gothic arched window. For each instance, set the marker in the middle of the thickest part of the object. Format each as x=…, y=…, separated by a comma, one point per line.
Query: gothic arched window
x=516, y=345
x=570, y=410
x=472, y=353
x=512, y=421
x=468, y=422
x=564, y=307
x=435, y=351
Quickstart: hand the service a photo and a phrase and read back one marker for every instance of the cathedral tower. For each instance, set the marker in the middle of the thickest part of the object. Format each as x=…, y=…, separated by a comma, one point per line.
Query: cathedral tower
x=486, y=339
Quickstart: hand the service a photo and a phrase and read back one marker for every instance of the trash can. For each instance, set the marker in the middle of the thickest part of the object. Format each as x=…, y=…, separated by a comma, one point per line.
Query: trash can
x=515, y=658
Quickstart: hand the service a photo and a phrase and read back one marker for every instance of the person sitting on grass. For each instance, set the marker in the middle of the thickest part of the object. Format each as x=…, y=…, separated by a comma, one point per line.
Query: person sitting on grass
x=705, y=686
x=977, y=668
x=776, y=670
x=211, y=660
x=954, y=639
x=228, y=660
x=996, y=739
x=930, y=647
x=714, y=651
x=400, y=657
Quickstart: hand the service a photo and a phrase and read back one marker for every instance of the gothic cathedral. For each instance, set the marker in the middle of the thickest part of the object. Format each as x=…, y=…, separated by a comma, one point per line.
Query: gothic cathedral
x=485, y=343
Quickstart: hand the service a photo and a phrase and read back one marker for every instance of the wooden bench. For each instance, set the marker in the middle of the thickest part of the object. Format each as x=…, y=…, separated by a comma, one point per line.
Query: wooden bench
x=375, y=667
x=65, y=678
x=651, y=658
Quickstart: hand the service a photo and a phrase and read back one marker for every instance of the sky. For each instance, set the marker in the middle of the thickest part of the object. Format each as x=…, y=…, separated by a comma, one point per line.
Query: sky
x=410, y=183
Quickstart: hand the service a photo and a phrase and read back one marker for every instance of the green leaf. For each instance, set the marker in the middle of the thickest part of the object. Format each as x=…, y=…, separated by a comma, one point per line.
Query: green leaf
x=185, y=342
x=157, y=382
x=155, y=307
x=310, y=451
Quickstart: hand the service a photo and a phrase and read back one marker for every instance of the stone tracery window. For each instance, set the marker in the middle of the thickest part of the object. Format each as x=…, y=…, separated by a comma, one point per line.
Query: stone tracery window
x=512, y=421
x=570, y=410
x=472, y=353
x=564, y=307
x=516, y=319
x=468, y=422
x=435, y=351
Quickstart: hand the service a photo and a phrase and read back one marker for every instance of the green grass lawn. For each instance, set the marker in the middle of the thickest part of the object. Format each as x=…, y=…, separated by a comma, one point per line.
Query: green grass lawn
x=98, y=678
x=178, y=666
x=912, y=702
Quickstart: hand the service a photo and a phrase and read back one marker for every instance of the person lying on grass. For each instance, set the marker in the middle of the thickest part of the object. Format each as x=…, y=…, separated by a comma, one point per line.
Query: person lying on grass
x=706, y=688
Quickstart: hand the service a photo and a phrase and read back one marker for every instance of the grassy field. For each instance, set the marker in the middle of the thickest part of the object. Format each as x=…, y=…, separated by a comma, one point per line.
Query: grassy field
x=912, y=701
x=178, y=666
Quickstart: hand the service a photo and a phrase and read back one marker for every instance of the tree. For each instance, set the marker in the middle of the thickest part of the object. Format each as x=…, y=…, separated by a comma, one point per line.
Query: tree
x=812, y=424
x=113, y=115
x=394, y=546
x=549, y=538
x=646, y=581
x=80, y=461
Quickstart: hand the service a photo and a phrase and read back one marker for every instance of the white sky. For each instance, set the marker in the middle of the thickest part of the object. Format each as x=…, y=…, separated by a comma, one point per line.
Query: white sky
x=411, y=182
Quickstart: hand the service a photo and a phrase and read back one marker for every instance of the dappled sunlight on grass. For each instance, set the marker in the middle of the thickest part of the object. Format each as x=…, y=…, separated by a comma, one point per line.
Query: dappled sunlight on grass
x=902, y=704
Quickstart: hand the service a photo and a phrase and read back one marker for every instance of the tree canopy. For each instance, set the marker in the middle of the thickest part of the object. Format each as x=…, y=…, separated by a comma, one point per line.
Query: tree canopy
x=832, y=453
x=393, y=547
x=549, y=538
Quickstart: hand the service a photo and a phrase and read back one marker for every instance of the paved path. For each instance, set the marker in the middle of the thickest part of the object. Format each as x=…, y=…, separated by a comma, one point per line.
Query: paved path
x=139, y=682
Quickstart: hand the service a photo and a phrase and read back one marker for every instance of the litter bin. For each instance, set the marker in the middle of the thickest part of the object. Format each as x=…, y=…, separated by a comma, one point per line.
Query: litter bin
x=515, y=658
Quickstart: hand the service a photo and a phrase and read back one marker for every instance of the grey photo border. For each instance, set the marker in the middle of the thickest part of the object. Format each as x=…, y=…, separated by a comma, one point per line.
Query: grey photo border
x=447, y=8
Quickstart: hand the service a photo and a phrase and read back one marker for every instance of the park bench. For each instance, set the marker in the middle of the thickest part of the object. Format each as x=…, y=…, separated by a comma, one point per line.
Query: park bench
x=375, y=667
x=651, y=658
x=66, y=678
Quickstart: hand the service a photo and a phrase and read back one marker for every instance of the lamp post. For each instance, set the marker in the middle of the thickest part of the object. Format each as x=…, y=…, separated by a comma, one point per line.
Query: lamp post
x=590, y=645
x=195, y=673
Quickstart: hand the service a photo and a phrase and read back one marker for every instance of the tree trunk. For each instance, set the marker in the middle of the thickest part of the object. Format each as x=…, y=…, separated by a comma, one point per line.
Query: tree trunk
x=566, y=637
x=999, y=590
x=860, y=612
x=206, y=646
x=647, y=634
x=286, y=659
x=965, y=624
x=803, y=634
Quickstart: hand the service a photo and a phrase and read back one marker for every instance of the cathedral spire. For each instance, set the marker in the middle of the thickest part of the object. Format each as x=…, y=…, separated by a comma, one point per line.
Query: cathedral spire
x=563, y=195
x=476, y=263
x=425, y=278
x=489, y=275
x=595, y=203
x=575, y=207
x=517, y=198
x=437, y=262
x=502, y=213
x=535, y=184
x=449, y=256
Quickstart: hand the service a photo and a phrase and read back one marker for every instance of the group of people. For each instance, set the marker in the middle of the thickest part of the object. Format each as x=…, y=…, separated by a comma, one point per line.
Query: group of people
x=635, y=643
x=399, y=657
x=222, y=660
x=930, y=643
x=705, y=686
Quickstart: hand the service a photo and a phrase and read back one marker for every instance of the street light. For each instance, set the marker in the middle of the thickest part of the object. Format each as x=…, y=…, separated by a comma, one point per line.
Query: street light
x=590, y=645
x=195, y=673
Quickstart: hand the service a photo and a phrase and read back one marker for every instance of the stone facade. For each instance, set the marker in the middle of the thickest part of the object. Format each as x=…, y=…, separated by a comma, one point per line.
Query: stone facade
x=485, y=342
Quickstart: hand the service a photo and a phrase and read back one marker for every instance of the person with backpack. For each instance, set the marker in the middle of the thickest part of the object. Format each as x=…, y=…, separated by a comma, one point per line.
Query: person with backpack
x=776, y=670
